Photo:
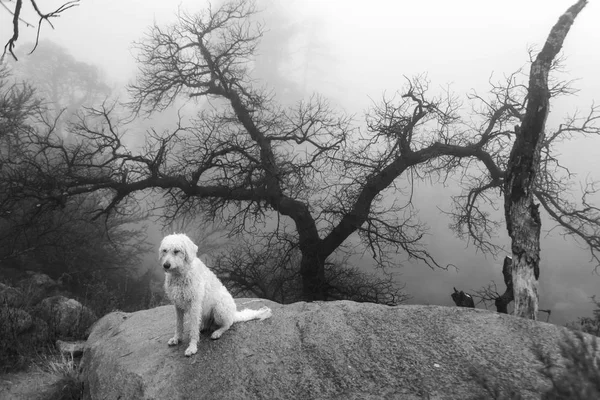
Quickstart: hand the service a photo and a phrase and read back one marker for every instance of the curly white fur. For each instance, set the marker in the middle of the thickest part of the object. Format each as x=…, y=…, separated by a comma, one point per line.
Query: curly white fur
x=196, y=291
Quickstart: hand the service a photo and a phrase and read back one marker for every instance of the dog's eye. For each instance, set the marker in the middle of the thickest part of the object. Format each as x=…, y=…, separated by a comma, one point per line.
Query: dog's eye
x=164, y=250
x=176, y=251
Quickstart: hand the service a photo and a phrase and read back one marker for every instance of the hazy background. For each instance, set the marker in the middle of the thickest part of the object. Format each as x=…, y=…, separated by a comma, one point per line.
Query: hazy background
x=352, y=52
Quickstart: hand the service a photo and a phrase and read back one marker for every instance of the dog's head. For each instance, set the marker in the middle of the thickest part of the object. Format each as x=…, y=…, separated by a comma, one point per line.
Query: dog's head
x=176, y=251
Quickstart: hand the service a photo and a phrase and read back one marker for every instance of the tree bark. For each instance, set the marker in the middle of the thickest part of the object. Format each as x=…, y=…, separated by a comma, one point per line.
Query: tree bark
x=503, y=301
x=312, y=270
x=522, y=215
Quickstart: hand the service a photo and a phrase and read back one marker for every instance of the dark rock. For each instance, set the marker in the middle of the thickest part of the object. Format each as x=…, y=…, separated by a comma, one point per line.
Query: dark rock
x=462, y=299
x=68, y=318
x=38, y=286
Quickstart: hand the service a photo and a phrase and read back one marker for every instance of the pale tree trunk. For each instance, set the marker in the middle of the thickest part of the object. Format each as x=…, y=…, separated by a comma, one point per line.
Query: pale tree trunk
x=526, y=258
x=522, y=215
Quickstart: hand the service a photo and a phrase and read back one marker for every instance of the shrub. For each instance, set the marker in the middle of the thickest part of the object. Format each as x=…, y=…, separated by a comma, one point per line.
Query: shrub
x=589, y=325
x=19, y=342
x=579, y=377
x=69, y=385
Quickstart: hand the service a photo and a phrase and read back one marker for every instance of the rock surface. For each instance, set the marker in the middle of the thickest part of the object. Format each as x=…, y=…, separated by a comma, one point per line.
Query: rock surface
x=333, y=350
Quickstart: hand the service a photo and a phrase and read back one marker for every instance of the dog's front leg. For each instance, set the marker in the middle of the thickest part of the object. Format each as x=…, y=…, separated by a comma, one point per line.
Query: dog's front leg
x=195, y=316
x=178, y=328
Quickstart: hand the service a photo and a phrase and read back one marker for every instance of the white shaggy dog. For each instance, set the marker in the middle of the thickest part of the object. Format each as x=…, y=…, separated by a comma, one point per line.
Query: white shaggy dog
x=196, y=291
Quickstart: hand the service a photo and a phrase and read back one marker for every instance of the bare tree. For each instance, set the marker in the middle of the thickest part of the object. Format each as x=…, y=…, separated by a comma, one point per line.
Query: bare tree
x=305, y=170
x=245, y=159
x=531, y=171
x=18, y=21
x=522, y=215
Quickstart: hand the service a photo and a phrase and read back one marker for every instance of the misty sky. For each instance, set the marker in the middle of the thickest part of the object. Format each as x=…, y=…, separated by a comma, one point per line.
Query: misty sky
x=365, y=49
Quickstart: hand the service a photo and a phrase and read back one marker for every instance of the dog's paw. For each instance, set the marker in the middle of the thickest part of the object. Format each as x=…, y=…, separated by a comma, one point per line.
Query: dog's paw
x=192, y=349
x=215, y=335
x=266, y=313
x=173, y=341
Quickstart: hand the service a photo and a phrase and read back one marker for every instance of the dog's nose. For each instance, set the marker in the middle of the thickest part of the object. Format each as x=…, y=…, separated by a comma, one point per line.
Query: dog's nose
x=167, y=265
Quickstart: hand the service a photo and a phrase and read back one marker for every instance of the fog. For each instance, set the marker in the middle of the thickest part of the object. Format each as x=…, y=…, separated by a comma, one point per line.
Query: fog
x=354, y=51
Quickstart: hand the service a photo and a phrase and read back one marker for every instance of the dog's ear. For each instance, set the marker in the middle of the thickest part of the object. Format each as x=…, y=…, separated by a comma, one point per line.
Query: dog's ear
x=190, y=249
x=160, y=248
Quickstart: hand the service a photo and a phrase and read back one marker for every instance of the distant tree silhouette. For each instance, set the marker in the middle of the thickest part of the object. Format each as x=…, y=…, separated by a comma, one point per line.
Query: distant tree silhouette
x=57, y=238
x=62, y=82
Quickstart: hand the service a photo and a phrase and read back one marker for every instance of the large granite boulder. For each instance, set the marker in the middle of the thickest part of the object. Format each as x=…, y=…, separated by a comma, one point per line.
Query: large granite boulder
x=322, y=350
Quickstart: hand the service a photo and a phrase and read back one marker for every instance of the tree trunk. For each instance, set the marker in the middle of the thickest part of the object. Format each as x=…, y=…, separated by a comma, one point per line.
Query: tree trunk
x=503, y=301
x=522, y=215
x=312, y=270
x=526, y=228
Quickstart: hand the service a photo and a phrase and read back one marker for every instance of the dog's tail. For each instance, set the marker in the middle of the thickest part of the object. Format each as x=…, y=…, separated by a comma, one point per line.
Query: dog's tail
x=248, y=314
